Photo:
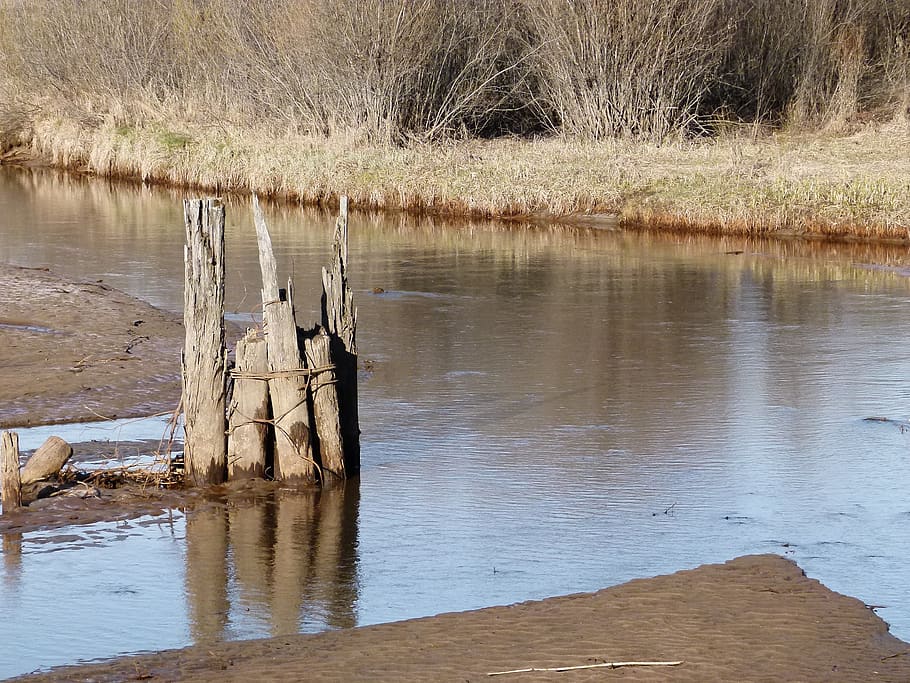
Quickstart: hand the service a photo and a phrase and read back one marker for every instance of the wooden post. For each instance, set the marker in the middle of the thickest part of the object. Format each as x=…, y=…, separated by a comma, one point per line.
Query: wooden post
x=325, y=406
x=11, y=489
x=249, y=413
x=204, y=354
x=47, y=461
x=339, y=317
x=287, y=388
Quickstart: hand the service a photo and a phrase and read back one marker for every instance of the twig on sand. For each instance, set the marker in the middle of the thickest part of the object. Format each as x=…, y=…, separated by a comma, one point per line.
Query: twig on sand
x=896, y=654
x=602, y=665
x=97, y=414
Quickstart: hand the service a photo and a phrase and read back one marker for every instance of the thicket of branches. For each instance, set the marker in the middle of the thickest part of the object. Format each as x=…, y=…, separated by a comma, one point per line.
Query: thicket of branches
x=395, y=69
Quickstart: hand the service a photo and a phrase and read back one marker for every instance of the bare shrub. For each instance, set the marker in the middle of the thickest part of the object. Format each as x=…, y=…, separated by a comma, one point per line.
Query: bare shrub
x=386, y=68
x=889, y=72
x=828, y=73
x=758, y=78
x=101, y=47
x=625, y=67
x=390, y=70
x=814, y=63
x=393, y=67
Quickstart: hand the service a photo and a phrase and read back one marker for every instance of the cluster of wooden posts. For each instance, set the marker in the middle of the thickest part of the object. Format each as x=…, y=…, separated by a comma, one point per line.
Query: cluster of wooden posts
x=287, y=408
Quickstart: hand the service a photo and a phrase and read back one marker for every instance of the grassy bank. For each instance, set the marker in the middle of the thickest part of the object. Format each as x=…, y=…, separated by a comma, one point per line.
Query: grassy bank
x=755, y=116
x=839, y=186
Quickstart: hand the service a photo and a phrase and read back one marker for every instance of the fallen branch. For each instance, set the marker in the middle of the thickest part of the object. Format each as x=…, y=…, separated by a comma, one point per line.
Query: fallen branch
x=603, y=665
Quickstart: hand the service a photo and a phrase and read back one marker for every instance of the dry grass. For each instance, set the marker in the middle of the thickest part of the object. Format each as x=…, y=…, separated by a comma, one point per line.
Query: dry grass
x=848, y=186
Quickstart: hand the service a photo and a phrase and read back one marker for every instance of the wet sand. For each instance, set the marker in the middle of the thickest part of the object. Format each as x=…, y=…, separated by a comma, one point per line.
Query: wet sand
x=755, y=618
x=75, y=351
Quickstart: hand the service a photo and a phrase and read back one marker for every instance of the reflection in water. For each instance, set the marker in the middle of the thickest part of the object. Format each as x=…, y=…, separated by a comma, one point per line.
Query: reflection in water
x=12, y=559
x=288, y=556
x=206, y=574
x=91, y=228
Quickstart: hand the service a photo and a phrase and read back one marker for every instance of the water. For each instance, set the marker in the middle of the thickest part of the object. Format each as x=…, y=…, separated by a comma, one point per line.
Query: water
x=547, y=411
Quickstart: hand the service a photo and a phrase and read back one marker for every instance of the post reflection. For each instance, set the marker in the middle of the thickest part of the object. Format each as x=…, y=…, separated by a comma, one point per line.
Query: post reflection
x=207, y=575
x=285, y=559
x=12, y=557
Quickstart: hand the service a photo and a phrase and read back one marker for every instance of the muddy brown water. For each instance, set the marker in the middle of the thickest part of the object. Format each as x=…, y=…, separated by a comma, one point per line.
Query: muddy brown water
x=545, y=410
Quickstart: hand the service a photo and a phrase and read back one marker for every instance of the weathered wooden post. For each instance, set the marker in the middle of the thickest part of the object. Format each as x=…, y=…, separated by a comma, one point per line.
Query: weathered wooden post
x=325, y=405
x=249, y=412
x=339, y=317
x=11, y=489
x=288, y=376
x=204, y=353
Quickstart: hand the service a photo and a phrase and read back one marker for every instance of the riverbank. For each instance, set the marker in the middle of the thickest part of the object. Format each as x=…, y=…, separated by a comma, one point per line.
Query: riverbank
x=846, y=187
x=755, y=618
x=82, y=351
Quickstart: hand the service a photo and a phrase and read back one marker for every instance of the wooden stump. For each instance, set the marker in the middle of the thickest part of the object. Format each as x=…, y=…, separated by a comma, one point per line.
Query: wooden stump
x=249, y=412
x=325, y=406
x=10, y=485
x=47, y=461
x=287, y=386
x=204, y=354
x=339, y=317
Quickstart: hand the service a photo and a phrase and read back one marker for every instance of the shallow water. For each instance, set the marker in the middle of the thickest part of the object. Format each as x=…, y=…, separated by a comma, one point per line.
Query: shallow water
x=547, y=410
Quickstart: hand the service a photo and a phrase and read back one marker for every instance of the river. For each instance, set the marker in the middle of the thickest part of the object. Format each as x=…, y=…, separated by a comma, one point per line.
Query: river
x=546, y=410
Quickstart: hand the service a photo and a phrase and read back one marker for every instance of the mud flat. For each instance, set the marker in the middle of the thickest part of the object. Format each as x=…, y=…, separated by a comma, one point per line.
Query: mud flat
x=77, y=351
x=755, y=618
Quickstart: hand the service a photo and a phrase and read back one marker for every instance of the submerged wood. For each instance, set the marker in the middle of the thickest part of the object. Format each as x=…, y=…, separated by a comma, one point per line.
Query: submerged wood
x=339, y=317
x=249, y=412
x=204, y=353
x=287, y=386
x=47, y=461
x=10, y=483
x=325, y=406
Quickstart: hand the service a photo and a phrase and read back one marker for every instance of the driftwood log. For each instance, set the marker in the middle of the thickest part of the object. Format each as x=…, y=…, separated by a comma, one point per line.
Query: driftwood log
x=288, y=377
x=10, y=484
x=204, y=353
x=249, y=412
x=47, y=461
x=339, y=317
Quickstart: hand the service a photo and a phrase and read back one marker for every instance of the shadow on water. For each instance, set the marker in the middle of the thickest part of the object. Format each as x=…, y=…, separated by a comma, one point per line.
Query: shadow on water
x=288, y=558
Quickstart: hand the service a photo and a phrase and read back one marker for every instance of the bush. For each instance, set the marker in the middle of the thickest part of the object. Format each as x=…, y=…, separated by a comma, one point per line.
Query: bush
x=815, y=63
x=625, y=67
x=389, y=70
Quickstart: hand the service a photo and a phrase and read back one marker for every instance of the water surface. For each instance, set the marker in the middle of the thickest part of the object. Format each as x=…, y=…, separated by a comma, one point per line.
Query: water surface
x=546, y=410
